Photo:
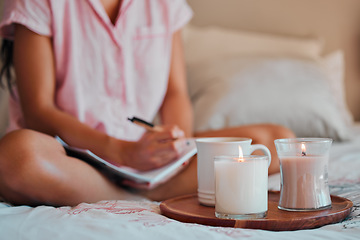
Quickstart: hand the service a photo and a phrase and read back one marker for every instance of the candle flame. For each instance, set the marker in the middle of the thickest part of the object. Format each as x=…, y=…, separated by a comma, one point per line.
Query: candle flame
x=241, y=155
x=303, y=150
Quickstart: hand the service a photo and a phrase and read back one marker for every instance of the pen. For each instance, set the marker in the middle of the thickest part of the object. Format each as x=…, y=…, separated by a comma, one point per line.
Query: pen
x=147, y=125
x=142, y=123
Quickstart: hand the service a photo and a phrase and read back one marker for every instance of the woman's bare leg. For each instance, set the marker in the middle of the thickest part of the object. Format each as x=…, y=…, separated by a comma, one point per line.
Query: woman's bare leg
x=34, y=169
x=186, y=181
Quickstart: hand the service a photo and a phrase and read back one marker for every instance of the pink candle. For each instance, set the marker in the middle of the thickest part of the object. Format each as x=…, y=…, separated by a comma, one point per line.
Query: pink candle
x=303, y=184
x=304, y=174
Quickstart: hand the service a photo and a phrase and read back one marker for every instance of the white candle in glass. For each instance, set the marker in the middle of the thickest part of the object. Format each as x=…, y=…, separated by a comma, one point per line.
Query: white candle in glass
x=241, y=185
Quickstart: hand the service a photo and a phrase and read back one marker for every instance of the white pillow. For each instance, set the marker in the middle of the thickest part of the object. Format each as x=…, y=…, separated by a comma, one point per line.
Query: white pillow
x=334, y=67
x=248, y=90
x=204, y=43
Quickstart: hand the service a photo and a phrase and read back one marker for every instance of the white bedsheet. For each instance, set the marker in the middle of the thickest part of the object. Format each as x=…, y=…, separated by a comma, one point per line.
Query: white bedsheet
x=141, y=219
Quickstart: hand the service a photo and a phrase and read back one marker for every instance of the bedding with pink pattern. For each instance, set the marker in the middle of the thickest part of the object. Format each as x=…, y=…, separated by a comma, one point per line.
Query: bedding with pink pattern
x=139, y=218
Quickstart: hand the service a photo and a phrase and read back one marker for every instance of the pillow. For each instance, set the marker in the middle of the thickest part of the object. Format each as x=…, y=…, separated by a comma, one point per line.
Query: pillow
x=203, y=43
x=281, y=90
x=334, y=67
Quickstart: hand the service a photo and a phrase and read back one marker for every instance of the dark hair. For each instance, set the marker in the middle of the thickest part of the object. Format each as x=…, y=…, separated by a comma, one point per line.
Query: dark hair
x=6, y=56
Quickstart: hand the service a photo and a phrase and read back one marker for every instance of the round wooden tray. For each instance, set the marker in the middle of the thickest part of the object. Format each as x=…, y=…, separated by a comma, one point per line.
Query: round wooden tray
x=187, y=209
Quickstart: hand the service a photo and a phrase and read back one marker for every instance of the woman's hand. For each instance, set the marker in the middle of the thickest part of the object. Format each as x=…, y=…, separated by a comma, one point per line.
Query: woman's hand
x=155, y=148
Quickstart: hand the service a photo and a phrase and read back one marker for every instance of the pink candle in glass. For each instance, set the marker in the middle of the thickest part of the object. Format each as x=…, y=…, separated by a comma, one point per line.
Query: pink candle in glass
x=304, y=175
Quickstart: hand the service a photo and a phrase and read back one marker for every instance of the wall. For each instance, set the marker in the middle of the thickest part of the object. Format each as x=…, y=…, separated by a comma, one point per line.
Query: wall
x=335, y=21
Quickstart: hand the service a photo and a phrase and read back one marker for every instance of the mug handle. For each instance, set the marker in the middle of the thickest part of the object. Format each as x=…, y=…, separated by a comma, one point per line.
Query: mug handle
x=262, y=148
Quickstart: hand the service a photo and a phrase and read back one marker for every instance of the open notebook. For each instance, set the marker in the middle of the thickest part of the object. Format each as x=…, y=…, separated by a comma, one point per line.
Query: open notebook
x=141, y=179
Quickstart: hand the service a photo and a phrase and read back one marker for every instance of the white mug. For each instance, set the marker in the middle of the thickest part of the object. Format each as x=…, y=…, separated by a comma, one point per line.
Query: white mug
x=207, y=149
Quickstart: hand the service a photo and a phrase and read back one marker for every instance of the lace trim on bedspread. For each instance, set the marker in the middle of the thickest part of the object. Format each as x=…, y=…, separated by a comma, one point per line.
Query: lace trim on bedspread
x=351, y=191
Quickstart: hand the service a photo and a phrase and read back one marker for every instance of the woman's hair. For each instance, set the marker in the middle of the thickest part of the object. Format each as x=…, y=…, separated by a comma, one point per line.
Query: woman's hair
x=6, y=55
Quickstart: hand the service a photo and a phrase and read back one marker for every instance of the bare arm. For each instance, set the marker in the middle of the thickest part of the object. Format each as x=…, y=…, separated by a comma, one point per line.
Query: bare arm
x=35, y=71
x=176, y=108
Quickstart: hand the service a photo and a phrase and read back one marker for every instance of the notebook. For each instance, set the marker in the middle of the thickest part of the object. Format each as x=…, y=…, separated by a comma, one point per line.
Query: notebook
x=135, y=178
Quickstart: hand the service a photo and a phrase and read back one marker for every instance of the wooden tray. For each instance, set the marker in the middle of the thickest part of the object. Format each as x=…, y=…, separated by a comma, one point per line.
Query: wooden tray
x=187, y=209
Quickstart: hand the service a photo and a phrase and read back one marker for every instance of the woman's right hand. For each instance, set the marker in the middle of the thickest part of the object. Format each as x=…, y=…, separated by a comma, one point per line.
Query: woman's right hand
x=154, y=149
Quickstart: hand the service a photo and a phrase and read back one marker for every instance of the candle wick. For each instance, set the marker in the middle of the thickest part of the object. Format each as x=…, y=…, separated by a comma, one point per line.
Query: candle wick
x=303, y=153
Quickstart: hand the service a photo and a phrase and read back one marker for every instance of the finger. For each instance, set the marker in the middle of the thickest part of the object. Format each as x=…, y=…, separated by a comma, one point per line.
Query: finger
x=168, y=152
x=169, y=133
x=172, y=146
x=164, y=154
x=164, y=159
x=156, y=156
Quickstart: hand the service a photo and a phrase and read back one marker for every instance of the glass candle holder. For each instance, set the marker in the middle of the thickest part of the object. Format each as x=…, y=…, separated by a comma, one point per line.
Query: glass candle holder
x=241, y=187
x=304, y=173
x=207, y=149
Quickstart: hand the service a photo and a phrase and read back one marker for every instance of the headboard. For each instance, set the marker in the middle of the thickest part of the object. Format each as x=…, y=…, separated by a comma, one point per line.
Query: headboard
x=336, y=22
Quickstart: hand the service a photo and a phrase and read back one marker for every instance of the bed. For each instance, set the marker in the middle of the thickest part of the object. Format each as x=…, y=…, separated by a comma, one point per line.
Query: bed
x=287, y=62
x=141, y=219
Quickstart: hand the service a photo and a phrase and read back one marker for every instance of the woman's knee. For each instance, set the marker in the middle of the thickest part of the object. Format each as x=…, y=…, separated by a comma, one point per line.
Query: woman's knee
x=280, y=131
x=19, y=157
x=267, y=133
x=19, y=145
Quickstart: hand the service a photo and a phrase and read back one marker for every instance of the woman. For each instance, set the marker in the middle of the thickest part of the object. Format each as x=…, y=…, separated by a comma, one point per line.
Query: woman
x=82, y=68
